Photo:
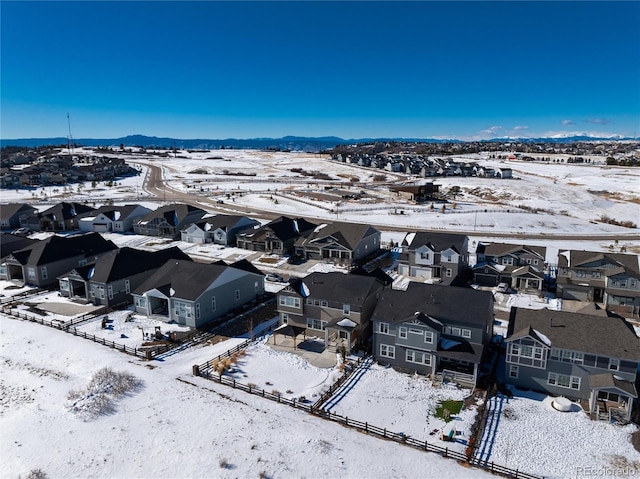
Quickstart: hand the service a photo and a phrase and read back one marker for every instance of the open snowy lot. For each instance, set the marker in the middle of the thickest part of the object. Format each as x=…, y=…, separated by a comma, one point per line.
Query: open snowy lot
x=173, y=424
x=527, y=432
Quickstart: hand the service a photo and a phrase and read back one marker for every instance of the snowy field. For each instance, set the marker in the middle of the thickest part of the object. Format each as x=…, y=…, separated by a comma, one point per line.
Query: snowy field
x=533, y=436
x=174, y=425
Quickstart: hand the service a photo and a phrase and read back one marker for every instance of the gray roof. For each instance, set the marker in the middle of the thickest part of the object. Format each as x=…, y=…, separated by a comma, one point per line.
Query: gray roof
x=606, y=336
x=443, y=303
x=9, y=210
x=346, y=234
x=338, y=287
x=501, y=249
x=224, y=222
x=578, y=258
x=608, y=380
x=187, y=279
x=439, y=241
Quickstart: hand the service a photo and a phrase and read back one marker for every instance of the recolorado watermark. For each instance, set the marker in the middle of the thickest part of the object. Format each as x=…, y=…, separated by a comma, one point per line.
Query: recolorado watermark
x=607, y=471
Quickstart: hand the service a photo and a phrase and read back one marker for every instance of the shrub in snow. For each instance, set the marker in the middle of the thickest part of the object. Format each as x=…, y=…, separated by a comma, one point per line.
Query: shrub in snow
x=98, y=398
x=36, y=474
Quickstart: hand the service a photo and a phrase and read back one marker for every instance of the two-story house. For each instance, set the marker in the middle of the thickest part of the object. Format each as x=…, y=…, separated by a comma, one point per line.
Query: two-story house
x=342, y=242
x=581, y=356
x=434, y=257
x=434, y=330
x=218, y=229
x=11, y=213
x=194, y=294
x=41, y=263
x=114, y=275
x=612, y=279
x=118, y=219
x=168, y=220
x=277, y=236
x=520, y=266
x=335, y=307
x=62, y=217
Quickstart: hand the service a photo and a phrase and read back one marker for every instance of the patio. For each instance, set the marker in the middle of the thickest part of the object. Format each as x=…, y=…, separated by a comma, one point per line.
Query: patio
x=311, y=349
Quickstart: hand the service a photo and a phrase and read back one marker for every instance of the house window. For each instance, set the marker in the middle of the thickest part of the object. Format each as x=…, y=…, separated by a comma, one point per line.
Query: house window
x=237, y=295
x=466, y=333
x=526, y=351
x=614, y=364
x=213, y=303
x=513, y=371
x=285, y=318
x=581, y=274
x=428, y=337
x=535, y=262
x=507, y=260
x=110, y=291
x=324, y=304
x=387, y=351
x=623, y=283
x=383, y=328
x=64, y=284
x=564, y=381
x=515, y=349
x=346, y=309
x=415, y=331
x=448, y=272
x=290, y=301
x=424, y=255
x=455, y=331
x=528, y=260
x=402, y=332
x=316, y=324
x=197, y=310
x=82, y=262
x=310, y=301
x=43, y=272
x=633, y=283
x=555, y=353
x=418, y=357
x=595, y=274
x=127, y=286
x=31, y=274
x=255, y=286
x=141, y=302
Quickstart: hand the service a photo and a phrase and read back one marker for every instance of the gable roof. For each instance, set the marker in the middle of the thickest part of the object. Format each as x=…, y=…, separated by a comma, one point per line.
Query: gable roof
x=126, y=262
x=383, y=277
x=56, y=248
x=186, y=279
x=174, y=214
x=346, y=234
x=64, y=211
x=437, y=241
x=443, y=303
x=286, y=228
x=501, y=249
x=10, y=243
x=575, y=259
x=336, y=287
x=117, y=213
x=9, y=210
x=606, y=336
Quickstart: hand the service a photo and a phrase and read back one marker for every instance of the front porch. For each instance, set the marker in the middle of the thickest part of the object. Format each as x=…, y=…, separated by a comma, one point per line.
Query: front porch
x=611, y=398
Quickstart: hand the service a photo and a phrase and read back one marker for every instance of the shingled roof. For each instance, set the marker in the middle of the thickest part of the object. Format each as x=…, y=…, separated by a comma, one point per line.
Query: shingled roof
x=607, y=336
x=444, y=303
x=338, y=287
x=437, y=241
x=346, y=234
x=57, y=247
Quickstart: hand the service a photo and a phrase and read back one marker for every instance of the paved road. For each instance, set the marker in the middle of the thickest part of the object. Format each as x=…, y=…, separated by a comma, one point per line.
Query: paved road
x=158, y=187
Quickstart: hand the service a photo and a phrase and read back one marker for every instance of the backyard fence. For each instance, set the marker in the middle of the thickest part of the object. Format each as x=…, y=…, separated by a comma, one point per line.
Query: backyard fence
x=206, y=370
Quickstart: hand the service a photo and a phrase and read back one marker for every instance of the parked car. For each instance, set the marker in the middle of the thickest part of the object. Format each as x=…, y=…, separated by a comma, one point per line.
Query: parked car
x=295, y=259
x=502, y=288
x=21, y=231
x=276, y=278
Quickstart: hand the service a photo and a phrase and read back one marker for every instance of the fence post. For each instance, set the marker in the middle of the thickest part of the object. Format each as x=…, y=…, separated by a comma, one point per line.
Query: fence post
x=516, y=473
x=446, y=451
x=196, y=370
x=366, y=427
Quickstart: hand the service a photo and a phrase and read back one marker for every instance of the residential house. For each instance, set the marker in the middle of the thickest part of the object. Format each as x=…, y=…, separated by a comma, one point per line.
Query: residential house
x=581, y=356
x=61, y=217
x=10, y=243
x=277, y=237
x=341, y=242
x=433, y=329
x=335, y=307
x=117, y=219
x=194, y=294
x=41, y=263
x=417, y=192
x=612, y=279
x=503, y=173
x=520, y=266
x=114, y=275
x=218, y=229
x=11, y=213
x=435, y=257
x=168, y=220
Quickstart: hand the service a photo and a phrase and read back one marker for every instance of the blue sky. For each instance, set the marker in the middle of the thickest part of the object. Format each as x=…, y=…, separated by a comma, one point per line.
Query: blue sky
x=202, y=69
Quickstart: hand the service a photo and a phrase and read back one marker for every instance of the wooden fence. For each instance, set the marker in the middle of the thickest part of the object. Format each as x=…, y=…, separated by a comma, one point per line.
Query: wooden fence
x=205, y=370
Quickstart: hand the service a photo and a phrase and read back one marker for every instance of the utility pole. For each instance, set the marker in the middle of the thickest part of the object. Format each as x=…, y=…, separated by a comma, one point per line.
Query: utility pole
x=69, y=138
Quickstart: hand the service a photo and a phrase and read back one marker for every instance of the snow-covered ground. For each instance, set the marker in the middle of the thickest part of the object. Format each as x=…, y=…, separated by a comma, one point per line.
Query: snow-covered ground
x=527, y=432
x=174, y=425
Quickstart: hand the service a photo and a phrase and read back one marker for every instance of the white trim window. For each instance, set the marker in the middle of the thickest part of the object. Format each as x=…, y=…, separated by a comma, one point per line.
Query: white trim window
x=316, y=324
x=198, y=310
x=31, y=274
x=213, y=303
x=513, y=371
x=402, y=332
x=141, y=302
x=290, y=301
x=614, y=364
x=110, y=292
x=564, y=381
x=346, y=309
x=43, y=272
x=387, y=351
x=127, y=286
x=383, y=328
x=428, y=337
x=466, y=333
x=237, y=295
x=285, y=318
x=418, y=357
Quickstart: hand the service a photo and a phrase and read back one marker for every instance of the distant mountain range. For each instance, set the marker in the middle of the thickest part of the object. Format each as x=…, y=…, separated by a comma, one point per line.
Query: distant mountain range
x=294, y=143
